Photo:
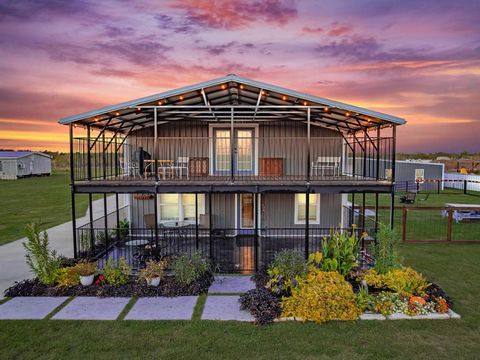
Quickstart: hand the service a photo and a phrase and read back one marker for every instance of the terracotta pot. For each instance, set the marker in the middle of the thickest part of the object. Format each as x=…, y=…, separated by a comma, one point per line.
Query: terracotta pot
x=87, y=280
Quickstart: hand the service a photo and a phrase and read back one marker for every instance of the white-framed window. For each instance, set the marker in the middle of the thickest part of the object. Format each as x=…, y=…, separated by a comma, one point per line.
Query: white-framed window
x=179, y=207
x=21, y=165
x=301, y=209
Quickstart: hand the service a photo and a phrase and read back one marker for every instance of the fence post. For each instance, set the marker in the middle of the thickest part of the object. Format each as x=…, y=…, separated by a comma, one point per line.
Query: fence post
x=404, y=224
x=465, y=186
x=449, y=225
x=438, y=186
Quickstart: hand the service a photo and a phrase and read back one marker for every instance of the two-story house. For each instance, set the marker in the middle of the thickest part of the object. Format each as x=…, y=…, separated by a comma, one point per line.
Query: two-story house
x=232, y=167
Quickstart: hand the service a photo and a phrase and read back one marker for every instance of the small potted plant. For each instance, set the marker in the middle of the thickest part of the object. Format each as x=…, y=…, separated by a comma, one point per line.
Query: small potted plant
x=153, y=272
x=86, y=271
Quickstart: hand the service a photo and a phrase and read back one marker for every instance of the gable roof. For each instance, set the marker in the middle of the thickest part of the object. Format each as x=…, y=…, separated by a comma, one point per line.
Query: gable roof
x=211, y=97
x=19, y=154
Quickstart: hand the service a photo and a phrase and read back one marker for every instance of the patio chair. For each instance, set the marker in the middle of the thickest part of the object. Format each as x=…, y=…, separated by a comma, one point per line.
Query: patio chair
x=326, y=163
x=181, y=165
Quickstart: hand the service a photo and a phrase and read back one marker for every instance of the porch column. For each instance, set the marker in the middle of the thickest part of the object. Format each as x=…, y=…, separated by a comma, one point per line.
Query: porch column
x=105, y=215
x=72, y=191
x=155, y=144
x=155, y=211
x=392, y=194
x=210, y=224
x=376, y=212
x=308, y=145
x=256, y=252
x=196, y=221
x=377, y=172
x=363, y=211
x=307, y=221
x=89, y=160
x=232, y=147
x=117, y=209
x=90, y=197
x=352, y=210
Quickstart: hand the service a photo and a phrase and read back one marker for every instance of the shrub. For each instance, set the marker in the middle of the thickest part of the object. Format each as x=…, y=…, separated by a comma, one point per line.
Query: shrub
x=42, y=261
x=404, y=281
x=85, y=268
x=321, y=296
x=284, y=268
x=68, y=277
x=122, y=229
x=385, y=250
x=190, y=267
x=262, y=304
x=339, y=252
x=152, y=269
x=116, y=272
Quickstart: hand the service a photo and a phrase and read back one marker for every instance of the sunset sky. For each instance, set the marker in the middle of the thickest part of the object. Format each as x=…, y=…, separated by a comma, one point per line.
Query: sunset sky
x=419, y=60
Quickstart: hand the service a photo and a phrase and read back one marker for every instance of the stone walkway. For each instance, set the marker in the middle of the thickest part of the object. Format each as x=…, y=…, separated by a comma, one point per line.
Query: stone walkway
x=221, y=304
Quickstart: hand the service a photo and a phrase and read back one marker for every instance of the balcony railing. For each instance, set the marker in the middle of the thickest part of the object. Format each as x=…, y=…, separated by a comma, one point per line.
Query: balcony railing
x=258, y=159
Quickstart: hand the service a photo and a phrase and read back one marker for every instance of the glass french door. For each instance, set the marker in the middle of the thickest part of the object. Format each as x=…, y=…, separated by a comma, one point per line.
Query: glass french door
x=243, y=150
x=246, y=213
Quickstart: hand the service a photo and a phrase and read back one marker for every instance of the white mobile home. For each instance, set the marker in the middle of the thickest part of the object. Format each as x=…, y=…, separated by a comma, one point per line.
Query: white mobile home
x=18, y=164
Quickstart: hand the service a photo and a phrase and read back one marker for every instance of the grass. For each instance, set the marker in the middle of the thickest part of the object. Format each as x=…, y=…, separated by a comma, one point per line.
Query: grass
x=454, y=267
x=44, y=199
x=428, y=224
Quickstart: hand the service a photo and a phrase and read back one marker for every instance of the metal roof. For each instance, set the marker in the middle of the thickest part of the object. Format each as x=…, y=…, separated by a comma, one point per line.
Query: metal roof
x=19, y=154
x=212, y=100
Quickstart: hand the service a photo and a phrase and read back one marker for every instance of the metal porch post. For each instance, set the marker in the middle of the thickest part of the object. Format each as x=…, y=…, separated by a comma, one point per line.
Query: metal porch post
x=354, y=165
x=232, y=147
x=155, y=211
x=377, y=172
x=72, y=190
x=210, y=223
x=256, y=255
x=392, y=194
x=308, y=145
x=196, y=221
x=104, y=194
x=307, y=221
x=376, y=211
x=155, y=145
x=363, y=211
x=90, y=197
x=352, y=209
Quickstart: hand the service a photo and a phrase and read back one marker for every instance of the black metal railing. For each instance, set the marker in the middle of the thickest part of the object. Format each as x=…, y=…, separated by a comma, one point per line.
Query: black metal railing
x=231, y=250
x=240, y=159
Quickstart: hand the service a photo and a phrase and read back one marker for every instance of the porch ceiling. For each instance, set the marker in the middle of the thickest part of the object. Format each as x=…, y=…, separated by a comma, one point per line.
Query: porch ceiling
x=214, y=101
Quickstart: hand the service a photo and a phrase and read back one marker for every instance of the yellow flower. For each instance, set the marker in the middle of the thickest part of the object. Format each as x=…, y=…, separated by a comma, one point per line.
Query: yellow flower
x=364, y=235
x=354, y=226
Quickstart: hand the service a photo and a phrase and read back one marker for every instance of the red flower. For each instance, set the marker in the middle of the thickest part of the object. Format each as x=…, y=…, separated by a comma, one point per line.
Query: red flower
x=101, y=278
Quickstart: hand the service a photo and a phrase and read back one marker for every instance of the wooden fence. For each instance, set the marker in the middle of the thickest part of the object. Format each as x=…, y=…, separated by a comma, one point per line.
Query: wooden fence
x=459, y=225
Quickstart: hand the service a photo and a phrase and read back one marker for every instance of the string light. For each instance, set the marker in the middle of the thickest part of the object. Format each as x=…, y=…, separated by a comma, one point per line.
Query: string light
x=304, y=103
x=284, y=98
x=181, y=97
x=263, y=92
x=223, y=86
x=347, y=114
x=117, y=114
x=160, y=102
x=241, y=87
x=325, y=109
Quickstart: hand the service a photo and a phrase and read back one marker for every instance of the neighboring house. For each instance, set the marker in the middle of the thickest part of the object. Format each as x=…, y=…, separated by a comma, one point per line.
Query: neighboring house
x=18, y=164
x=232, y=167
x=414, y=175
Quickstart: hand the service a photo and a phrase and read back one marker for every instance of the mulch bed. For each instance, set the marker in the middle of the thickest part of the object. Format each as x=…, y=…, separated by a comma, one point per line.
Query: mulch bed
x=168, y=287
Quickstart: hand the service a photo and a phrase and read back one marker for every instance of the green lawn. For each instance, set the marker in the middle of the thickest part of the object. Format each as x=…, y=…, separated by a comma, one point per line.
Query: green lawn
x=428, y=224
x=44, y=199
x=455, y=267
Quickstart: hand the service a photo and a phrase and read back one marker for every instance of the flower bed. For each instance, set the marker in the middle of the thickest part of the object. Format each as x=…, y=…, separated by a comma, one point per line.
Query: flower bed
x=169, y=286
x=191, y=274
x=331, y=286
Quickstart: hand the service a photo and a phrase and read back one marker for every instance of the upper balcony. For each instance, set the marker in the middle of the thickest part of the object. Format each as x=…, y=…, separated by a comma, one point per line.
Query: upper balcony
x=228, y=160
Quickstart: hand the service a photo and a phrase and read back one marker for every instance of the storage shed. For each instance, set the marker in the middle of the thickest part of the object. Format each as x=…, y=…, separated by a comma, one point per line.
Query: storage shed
x=409, y=174
x=18, y=164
